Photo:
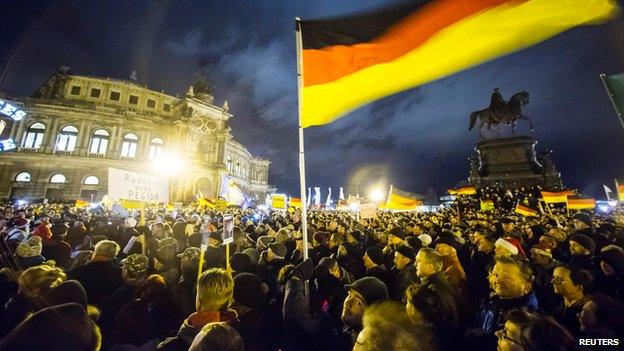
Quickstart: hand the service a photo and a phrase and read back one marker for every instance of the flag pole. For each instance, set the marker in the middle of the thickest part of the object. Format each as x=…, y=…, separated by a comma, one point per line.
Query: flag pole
x=603, y=78
x=302, y=181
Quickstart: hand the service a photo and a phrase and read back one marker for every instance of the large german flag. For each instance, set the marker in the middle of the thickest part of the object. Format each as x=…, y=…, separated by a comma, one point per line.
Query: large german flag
x=401, y=200
x=348, y=62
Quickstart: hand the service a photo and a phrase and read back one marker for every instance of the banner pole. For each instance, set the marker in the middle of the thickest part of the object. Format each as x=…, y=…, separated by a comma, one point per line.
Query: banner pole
x=227, y=258
x=389, y=199
x=302, y=180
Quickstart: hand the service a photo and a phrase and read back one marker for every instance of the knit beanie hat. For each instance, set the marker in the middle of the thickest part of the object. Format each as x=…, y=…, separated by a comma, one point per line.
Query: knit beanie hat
x=425, y=239
x=584, y=241
x=278, y=249
x=414, y=243
x=240, y=262
x=614, y=258
x=136, y=264
x=321, y=238
x=406, y=251
x=248, y=290
x=583, y=217
x=375, y=254
x=59, y=229
x=29, y=248
x=64, y=327
x=254, y=255
x=68, y=291
x=371, y=288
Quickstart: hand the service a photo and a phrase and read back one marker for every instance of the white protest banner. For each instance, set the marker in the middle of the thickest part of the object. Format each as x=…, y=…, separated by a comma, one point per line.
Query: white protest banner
x=368, y=210
x=136, y=186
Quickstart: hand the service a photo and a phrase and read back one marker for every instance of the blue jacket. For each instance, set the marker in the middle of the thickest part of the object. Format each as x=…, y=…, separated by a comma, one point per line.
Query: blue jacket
x=493, y=309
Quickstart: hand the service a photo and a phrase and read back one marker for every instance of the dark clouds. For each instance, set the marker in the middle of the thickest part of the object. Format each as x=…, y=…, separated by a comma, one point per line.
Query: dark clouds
x=417, y=139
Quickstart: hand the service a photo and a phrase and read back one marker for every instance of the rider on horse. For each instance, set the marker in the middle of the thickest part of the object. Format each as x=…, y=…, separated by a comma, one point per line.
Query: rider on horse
x=497, y=103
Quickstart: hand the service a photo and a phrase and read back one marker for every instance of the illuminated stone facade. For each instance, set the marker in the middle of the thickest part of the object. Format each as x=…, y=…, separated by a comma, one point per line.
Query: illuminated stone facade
x=77, y=126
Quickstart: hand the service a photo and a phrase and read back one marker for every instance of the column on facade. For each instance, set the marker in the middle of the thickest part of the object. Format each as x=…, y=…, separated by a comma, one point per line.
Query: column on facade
x=20, y=131
x=50, y=136
x=113, y=144
x=145, y=141
x=86, y=136
x=14, y=125
x=81, y=137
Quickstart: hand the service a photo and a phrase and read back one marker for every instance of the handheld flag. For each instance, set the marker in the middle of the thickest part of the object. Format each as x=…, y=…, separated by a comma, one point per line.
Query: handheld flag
x=556, y=197
x=607, y=192
x=580, y=202
x=295, y=202
x=81, y=203
x=466, y=190
x=525, y=211
x=620, y=190
x=401, y=200
x=351, y=61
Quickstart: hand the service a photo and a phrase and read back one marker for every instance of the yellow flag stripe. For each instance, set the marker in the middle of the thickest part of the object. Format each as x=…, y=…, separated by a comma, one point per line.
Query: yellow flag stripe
x=469, y=42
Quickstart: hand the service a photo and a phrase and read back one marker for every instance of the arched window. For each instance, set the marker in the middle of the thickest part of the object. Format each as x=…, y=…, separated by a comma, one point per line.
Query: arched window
x=23, y=177
x=66, y=140
x=129, y=145
x=229, y=163
x=156, y=148
x=34, y=135
x=99, y=142
x=91, y=180
x=58, y=179
x=237, y=168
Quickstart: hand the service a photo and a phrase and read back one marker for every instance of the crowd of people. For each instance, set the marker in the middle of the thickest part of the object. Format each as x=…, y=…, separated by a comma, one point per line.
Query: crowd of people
x=456, y=279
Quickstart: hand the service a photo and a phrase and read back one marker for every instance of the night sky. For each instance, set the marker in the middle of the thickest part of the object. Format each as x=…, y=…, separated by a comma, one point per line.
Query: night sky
x=417, y=140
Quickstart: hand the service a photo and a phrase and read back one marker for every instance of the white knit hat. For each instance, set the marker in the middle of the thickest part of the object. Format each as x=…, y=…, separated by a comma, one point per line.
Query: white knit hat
x=425, y=239
x=29, y=248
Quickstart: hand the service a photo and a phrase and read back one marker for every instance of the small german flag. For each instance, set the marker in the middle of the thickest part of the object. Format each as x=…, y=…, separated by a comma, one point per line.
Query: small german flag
x=556, y=197
x=526, y=211
x=580, y=202
x=295, y=202
x=350, y=61
x=467, y=190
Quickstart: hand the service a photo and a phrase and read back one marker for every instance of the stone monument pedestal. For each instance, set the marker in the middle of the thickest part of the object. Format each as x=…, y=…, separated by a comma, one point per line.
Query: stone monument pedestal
x=512, y=162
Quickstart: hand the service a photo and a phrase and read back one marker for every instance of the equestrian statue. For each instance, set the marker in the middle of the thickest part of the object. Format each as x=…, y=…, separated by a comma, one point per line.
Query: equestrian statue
x=501, y=112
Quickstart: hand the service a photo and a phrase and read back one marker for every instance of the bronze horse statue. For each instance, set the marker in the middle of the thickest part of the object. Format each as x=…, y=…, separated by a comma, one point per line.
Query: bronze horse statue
x=501, y=112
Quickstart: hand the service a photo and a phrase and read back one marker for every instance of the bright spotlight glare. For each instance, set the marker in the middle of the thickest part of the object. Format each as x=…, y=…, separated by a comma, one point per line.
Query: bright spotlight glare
x=376, y=195
x=168, y=164
x=604, y=208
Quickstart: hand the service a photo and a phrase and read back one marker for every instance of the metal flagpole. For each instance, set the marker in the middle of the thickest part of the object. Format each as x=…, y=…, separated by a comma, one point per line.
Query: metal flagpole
x=304, y=210
x=603, y=78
